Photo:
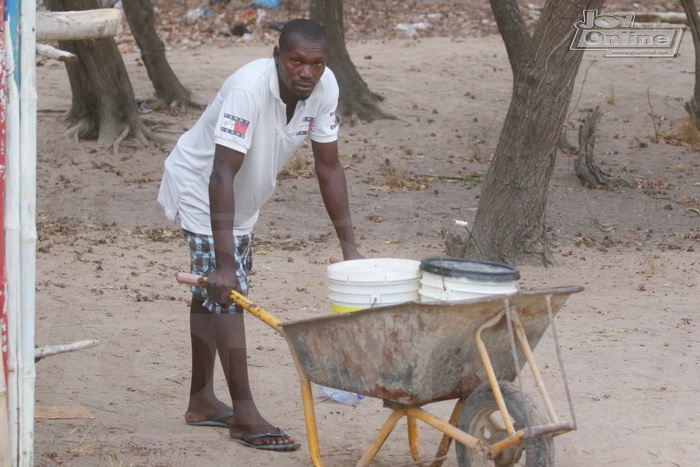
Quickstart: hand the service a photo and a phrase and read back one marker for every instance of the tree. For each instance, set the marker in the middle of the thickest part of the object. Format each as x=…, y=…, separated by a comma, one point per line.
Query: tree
x=356, y=99
x=510, y=219
x=103, y=106
x=691, y=13
x=169, y=91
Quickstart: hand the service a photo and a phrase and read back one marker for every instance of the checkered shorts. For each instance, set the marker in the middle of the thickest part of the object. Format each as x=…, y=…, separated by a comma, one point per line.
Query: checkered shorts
x=203, y=261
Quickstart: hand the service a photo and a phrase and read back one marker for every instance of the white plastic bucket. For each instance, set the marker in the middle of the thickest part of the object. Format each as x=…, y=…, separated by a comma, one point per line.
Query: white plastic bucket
x=366, y=283
x=450, y=279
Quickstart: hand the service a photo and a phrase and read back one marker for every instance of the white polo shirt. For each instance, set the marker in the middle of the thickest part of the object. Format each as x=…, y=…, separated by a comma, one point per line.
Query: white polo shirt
x=246, y=115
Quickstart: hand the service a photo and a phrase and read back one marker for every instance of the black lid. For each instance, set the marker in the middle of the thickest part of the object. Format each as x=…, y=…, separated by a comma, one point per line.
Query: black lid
x=469, y=268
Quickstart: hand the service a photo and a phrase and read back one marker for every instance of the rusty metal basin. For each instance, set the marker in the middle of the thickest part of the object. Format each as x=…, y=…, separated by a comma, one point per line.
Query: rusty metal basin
x=415, y=353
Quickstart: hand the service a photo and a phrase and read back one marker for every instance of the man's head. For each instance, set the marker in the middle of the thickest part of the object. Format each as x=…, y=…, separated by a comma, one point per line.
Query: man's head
x=300, y=58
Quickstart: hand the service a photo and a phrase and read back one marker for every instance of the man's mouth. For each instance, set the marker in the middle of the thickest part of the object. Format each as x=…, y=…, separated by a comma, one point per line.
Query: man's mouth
x=306, y=86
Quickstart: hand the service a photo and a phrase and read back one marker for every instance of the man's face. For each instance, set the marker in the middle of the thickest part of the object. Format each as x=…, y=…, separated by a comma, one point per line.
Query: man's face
x=300, y=67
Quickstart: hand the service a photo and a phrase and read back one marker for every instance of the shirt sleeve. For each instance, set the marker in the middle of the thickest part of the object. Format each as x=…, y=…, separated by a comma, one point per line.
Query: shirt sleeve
x=235, y=124
x=325, y=129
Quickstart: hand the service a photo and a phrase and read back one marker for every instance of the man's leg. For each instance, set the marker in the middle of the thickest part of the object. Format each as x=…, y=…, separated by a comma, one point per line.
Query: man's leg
x=231, y=343
x=203, y=404
x=215, y=328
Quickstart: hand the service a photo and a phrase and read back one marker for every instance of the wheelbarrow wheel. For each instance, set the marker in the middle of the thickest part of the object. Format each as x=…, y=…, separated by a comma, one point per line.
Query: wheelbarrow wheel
x=481, y=418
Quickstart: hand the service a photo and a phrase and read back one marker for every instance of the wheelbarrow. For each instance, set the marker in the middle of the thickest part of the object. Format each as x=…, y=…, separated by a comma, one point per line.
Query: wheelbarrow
x=412, y=354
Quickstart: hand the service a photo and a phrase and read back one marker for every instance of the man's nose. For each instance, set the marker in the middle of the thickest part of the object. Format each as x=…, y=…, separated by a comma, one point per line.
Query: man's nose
x=305, y=72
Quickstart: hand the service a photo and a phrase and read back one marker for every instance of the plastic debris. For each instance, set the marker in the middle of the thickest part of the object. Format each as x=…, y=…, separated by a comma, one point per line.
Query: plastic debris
x=337, y=395
x=276, y=25
x=144, y=108
x=198, y=13
x=413, y=28
x=239, y=30
x=268, y=3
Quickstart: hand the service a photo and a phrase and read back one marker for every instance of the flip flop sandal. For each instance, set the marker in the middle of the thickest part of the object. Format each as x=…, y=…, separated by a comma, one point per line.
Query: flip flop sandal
x=269, y=447
x=216, y=421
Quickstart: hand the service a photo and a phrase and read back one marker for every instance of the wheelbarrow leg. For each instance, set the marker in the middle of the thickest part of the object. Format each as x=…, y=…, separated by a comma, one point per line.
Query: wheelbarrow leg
x=310, y=419
x=446, y=441
x=383, y=434
x=307, y=399
x=450, y=430
x=412, y=424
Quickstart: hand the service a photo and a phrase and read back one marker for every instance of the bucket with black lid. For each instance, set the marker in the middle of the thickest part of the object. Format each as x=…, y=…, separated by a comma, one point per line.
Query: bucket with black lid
x=449, y=279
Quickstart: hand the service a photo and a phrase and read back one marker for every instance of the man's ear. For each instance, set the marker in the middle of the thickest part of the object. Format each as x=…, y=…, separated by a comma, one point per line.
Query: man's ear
x=276, y=53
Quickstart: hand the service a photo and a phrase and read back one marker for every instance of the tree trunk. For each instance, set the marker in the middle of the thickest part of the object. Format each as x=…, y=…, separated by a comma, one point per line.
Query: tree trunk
x=510, y=220
x=516, y=38
x=691, y=13
x=513, y=30
x=169, y=91
x=356, y=100
x=103, y=105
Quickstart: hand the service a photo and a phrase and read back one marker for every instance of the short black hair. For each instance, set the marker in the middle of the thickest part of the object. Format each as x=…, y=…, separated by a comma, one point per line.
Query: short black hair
x=301, y=29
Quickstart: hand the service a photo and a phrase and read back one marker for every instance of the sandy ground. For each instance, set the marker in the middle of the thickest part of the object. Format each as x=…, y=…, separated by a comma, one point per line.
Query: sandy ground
x=108, y=257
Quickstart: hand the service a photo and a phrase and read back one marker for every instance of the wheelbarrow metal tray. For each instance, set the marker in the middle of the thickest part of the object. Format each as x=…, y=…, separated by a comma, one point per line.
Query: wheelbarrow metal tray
x=415, y=353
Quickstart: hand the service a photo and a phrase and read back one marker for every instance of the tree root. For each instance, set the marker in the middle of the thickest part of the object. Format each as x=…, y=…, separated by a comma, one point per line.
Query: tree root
x=459, y=245
x=176, y=107
x=587, y=170
x=82, y=129
x=693, y=110
x=111, y=137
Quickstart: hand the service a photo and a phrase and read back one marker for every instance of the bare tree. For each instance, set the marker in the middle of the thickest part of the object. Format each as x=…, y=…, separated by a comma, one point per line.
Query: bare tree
x=103, y=105
x=510, y=220
x=691, y=13
x=169, y=91
x=356, y=99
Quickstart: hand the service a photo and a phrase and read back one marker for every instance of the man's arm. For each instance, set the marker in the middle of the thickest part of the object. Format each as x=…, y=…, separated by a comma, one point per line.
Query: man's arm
x=331, y=180
x=222, y=208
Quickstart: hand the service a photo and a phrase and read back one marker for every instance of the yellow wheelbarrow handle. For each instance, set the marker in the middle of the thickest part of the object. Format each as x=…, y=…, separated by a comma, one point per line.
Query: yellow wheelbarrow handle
x=238, y=299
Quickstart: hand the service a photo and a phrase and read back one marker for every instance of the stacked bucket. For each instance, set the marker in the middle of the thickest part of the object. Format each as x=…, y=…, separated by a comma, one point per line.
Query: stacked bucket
x=369, y=283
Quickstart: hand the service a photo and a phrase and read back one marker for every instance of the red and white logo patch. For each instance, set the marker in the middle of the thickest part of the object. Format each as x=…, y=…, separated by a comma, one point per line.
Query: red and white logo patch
x=307, y=124
x=233, y=125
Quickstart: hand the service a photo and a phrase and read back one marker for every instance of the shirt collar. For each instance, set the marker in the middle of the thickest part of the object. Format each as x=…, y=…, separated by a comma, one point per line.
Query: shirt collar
x=274, y=81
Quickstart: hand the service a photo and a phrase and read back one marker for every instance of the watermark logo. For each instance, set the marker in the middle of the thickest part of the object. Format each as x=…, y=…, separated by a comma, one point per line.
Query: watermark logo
x=617, y=36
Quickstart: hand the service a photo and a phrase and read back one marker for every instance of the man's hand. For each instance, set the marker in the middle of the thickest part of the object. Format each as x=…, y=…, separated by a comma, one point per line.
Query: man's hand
x=219, y=284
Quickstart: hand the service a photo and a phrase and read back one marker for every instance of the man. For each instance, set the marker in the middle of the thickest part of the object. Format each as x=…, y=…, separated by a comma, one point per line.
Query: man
x=217, y=178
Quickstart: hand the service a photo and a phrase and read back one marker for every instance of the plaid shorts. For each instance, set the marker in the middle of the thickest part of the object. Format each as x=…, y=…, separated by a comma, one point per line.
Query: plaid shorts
x=203, y=261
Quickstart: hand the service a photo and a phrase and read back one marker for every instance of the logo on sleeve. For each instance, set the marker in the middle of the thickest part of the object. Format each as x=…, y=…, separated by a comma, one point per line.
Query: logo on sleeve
x=334, y=121
x=307, y=125
x=233, y=125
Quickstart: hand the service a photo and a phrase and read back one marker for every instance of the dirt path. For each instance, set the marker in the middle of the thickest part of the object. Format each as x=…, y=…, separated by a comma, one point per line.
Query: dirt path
x=107, y=261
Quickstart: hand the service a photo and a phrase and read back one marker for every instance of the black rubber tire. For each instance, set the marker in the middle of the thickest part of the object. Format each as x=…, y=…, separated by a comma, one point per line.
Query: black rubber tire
x=474, y=419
